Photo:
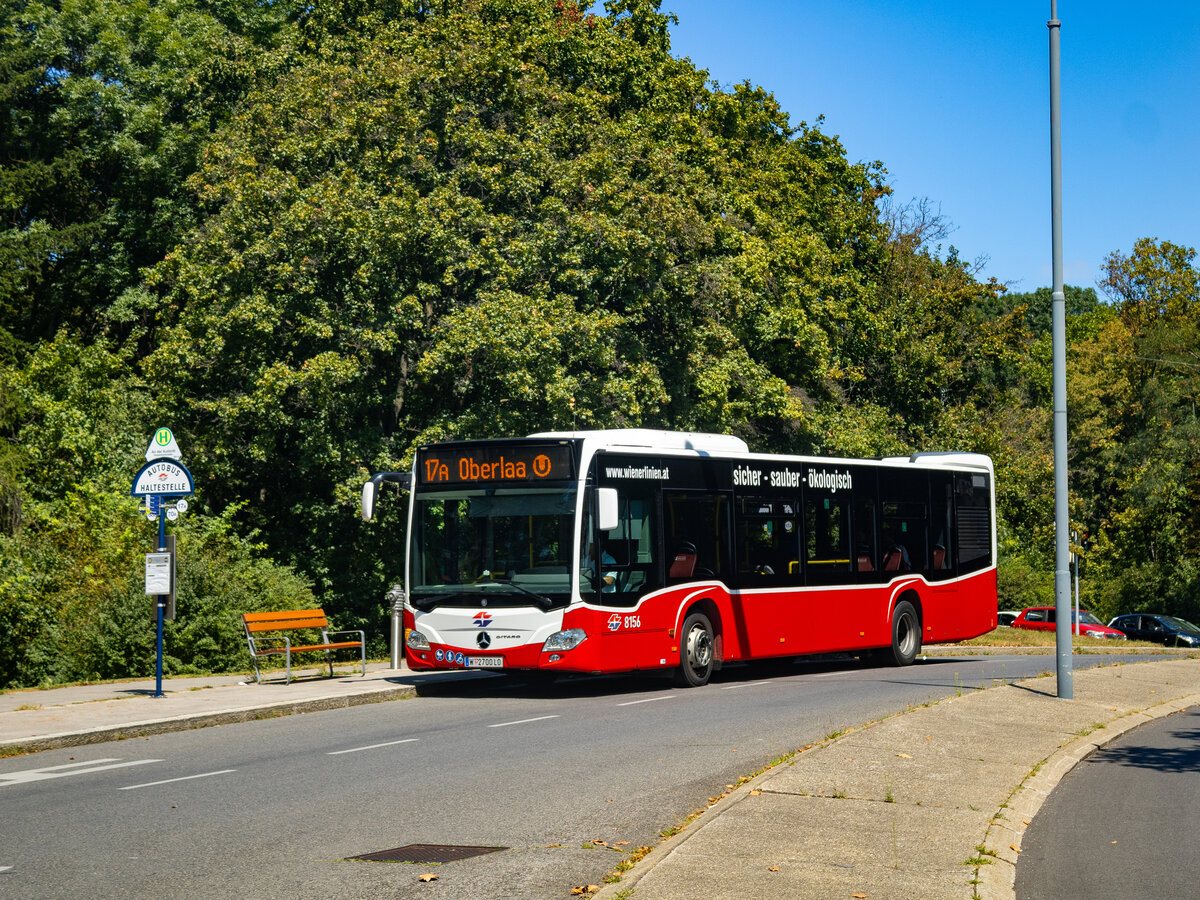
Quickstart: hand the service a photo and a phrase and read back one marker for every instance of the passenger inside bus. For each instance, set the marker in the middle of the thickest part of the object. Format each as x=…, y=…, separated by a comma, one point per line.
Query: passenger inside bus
x=608, y=577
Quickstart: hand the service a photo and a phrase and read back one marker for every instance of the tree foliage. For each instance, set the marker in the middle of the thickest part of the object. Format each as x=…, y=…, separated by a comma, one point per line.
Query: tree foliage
x=311, y=237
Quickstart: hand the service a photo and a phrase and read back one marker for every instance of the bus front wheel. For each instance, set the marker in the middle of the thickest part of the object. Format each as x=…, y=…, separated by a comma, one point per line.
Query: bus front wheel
x=696, y=653
x=906, y=635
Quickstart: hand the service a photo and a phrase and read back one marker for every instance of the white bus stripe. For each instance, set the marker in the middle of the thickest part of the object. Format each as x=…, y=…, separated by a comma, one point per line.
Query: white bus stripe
x=521, y=721
x=134, y=787
x=373, y=746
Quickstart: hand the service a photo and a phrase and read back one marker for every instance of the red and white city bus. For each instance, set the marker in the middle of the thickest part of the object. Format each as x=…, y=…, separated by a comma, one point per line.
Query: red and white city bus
x=623, y=550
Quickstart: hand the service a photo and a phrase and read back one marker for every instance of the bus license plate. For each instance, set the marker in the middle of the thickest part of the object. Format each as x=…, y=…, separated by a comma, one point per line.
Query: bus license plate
x=486, y=662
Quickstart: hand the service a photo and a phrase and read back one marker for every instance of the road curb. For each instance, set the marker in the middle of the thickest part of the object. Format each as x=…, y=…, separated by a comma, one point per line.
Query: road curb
x=187, y=722
x=1002, y=843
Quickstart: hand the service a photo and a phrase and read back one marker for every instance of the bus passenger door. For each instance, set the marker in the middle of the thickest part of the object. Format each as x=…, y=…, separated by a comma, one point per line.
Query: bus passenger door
x=697, y=536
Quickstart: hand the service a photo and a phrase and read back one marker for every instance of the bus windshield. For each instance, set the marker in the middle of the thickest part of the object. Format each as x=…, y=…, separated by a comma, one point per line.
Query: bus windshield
x=511, y=547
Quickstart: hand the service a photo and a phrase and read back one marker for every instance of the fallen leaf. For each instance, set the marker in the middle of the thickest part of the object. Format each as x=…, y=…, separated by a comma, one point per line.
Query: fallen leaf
x=428, y=876
x=620, y=843
x=1014, y=847
x=755, y=792
x=859, y=896
x=600, y=843
x=904, y=756
x=1114, y=842
x=772, y=868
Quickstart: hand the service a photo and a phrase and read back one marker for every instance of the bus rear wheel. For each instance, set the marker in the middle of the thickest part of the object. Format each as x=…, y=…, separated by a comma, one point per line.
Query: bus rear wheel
x=696, y=656
x=906, y=635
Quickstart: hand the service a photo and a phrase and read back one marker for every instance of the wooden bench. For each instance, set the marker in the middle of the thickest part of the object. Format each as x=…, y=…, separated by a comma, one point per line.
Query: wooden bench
x=264, y=637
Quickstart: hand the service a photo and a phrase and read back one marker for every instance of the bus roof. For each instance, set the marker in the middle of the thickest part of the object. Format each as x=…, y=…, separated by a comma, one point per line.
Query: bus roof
x=652, y=439
x=655, y=440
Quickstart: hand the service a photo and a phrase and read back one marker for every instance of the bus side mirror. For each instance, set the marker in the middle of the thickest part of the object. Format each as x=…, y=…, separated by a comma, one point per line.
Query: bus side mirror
x=606, y=500
x=368, y=500
x=371, y=490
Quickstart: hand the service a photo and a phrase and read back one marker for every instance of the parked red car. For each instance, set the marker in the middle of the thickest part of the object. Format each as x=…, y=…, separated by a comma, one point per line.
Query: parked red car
x=1043, y=618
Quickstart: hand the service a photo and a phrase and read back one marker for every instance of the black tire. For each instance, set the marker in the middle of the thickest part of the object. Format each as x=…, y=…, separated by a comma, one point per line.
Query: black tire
x=906, y=635
x=697, y=651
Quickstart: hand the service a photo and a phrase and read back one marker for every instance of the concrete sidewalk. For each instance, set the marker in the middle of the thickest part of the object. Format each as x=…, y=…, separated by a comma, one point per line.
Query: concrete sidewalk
x=928, y=803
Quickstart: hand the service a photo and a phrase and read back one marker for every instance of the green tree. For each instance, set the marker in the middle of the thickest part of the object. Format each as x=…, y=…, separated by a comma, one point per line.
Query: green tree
x=107, y=105
x=1138, y=436
x=503, y=217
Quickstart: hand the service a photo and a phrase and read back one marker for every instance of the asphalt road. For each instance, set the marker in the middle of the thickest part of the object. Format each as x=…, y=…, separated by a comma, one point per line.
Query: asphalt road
x=280, y=807
x=1101, y=836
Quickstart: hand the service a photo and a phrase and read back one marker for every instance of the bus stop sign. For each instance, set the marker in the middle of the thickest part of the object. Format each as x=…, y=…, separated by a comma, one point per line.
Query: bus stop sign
x=166, y=477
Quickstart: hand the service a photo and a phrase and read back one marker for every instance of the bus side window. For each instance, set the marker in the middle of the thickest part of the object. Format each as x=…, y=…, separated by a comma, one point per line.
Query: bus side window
x=768, y=542
x=904, y=518
x=864, y=535
x=941, y=526
x=826, y=538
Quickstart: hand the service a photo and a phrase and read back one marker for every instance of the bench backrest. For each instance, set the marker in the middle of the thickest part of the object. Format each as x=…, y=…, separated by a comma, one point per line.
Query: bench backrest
x=285, y=620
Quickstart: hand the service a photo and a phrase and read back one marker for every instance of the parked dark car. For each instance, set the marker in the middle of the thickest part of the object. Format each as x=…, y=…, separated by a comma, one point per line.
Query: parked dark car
x=1043, y=618
x=1166, y=630
x=1006, y=616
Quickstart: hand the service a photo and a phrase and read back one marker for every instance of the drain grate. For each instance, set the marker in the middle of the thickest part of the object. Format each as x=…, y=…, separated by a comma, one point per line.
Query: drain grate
x=427, y=853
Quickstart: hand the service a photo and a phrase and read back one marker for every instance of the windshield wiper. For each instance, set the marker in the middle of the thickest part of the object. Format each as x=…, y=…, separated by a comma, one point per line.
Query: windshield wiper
x=542, y=601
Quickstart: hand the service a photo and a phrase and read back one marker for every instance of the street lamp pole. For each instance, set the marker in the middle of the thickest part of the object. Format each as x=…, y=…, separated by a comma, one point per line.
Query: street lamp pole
x=1062, y=519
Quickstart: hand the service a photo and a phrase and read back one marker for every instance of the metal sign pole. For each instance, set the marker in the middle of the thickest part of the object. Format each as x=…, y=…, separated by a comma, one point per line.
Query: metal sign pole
x=163, y=478
x=162, y=605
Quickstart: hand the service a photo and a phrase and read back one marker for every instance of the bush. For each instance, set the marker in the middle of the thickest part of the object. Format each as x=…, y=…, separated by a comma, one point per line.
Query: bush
x=73, y=604
x=1020, y=584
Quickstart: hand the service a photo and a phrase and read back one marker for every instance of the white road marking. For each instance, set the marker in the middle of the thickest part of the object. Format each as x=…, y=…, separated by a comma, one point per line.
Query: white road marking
x=78, y=768
x=134, y=787
x=647, y=700
x=521, y=721
x=373, y=746
x=730, y=687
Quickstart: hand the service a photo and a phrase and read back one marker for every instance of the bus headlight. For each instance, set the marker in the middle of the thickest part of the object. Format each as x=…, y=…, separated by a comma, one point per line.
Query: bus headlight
x=564, y=640
x=417, y=641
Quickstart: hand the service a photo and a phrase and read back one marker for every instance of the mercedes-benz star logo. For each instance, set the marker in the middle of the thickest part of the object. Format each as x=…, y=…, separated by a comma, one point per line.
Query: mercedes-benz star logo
x=484, y=640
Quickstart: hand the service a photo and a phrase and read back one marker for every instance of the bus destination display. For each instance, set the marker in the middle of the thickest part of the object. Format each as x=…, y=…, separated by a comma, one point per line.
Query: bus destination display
x=490, y=464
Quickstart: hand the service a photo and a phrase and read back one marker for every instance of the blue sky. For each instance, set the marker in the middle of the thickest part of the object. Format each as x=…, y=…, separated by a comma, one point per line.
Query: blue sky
x=953, y=99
